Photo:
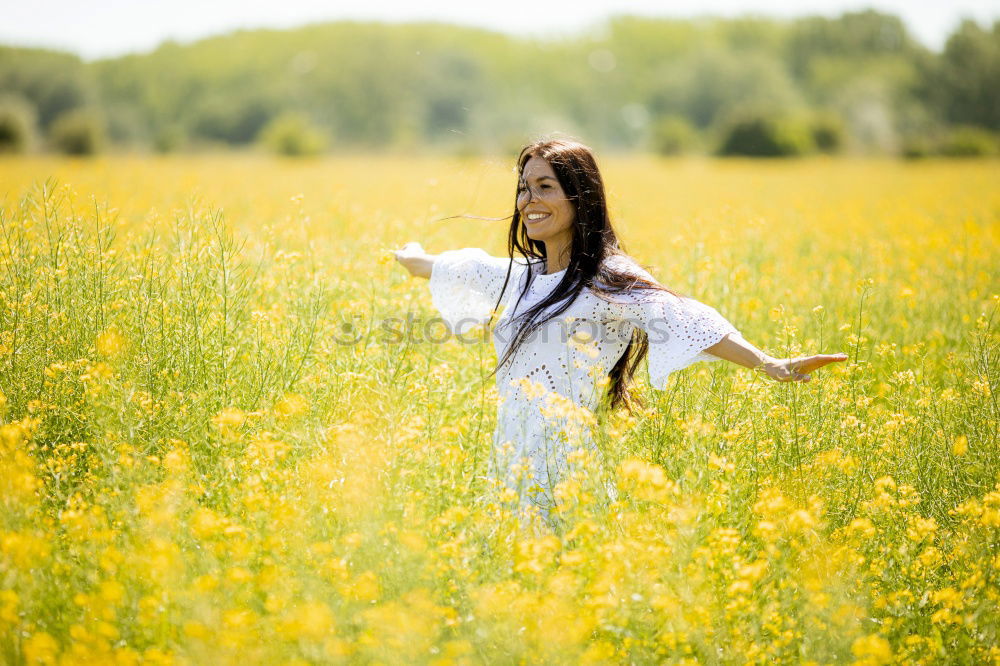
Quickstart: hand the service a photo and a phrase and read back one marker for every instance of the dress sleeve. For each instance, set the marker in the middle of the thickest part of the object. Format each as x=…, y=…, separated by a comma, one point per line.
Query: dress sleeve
x=679, y=329
x=465, y=285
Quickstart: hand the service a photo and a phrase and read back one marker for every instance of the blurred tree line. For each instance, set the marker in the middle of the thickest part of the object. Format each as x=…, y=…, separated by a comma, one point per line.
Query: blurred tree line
x=858, y=83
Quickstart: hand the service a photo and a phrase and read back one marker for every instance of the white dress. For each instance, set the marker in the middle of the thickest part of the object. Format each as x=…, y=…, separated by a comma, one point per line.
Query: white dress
x=549, y=389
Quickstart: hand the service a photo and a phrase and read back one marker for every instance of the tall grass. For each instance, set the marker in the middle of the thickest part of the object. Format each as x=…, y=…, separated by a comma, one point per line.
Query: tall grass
x=214, y=450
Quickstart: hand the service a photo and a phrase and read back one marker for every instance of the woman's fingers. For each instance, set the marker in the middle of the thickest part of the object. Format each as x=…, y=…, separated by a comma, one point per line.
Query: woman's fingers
x=798, y=369
x=806, y=364
x=409, y=248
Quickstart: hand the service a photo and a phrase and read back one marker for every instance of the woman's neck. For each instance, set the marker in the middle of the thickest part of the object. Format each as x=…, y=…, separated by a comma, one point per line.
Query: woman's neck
x=549, y=270
x=557, y=255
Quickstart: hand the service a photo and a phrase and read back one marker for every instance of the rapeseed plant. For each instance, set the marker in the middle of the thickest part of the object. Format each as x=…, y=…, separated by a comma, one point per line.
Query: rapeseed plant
x=209, y=455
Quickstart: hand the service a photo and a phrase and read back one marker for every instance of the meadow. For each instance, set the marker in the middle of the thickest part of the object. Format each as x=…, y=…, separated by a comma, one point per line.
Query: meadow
x=214, y=451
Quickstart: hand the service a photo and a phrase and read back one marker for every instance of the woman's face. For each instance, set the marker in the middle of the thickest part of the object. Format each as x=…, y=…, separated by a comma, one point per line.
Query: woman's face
x=545, y=211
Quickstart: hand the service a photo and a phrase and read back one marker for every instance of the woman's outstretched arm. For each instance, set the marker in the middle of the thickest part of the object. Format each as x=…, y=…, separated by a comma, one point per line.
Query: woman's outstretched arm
x=734, y=348
x=415, y=259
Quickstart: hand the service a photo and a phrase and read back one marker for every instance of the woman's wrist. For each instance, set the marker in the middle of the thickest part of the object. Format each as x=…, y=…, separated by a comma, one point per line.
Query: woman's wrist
x=736, y=349
x=765, y=362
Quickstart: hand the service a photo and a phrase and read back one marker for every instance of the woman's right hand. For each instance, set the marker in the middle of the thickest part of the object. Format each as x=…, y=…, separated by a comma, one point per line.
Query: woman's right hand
x=415, y=259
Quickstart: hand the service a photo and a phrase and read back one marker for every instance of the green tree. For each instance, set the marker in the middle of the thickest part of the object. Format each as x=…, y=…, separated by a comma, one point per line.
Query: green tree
x=78, y=132
x=758, y=135
x=969, y=142
x=965, y=85
x=378, y=85
x=52, y=82
x=707, y=85
x=234, y=118
x=17, y=125
x=827, y=131
x=849, y=37
x=673, y=135
x=293, y=135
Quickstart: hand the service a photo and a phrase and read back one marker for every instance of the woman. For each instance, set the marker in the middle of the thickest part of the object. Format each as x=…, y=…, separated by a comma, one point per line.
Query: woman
x=579, y=317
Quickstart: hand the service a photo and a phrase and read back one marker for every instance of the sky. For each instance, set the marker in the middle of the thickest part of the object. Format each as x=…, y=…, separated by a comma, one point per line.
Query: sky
x=104, y=28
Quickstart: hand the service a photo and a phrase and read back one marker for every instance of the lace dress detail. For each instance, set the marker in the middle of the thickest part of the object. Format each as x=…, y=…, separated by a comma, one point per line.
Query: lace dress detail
x=551, y=386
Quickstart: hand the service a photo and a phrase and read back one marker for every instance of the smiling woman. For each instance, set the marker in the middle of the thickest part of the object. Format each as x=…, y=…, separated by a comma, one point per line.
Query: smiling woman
x=547, y=213
x=580, y=315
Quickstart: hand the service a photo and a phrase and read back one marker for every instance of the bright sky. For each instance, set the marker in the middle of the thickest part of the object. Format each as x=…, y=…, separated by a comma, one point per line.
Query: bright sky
x=102, y=28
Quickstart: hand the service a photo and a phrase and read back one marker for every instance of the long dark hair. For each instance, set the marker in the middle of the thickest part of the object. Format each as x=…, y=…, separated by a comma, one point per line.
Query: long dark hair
x=594, y=241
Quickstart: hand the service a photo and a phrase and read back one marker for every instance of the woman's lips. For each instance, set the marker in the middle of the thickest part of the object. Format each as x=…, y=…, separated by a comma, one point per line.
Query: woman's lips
x=528, y=220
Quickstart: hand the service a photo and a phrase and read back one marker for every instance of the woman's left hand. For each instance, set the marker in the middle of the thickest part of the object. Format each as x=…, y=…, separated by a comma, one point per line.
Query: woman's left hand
x=797, y=369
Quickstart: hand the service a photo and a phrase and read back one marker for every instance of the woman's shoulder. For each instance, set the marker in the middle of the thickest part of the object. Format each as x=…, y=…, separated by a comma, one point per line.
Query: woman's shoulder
x=630, y=282
x=622, y=263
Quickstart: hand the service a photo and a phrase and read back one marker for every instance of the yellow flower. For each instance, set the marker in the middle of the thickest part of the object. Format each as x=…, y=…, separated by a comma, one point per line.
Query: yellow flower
x=312, y=620
x=266, y=448
x=97, y=372
x=413, y=541
x=110, y=343
x=872, y=649
x=9, y=601
x=206, y=523
x=238, y=618
x=921, y=528
x=111, y=591
x=40, y=648
x=107, y=630
x=230, y=417
x=365, y=587
x=646, y=481
x=177, y=459
x=535, y=555
x=196, y=630
x=205, y=583
x=961, y=446
x=801, y=520
x=719, y=463
x=290, y=405
x=239, y=575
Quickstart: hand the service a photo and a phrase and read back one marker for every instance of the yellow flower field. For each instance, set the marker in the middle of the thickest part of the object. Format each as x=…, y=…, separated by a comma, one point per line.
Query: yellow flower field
x=227, y=435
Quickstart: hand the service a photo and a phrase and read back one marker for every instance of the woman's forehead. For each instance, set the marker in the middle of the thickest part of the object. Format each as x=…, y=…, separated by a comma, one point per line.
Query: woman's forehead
x=537, y=168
